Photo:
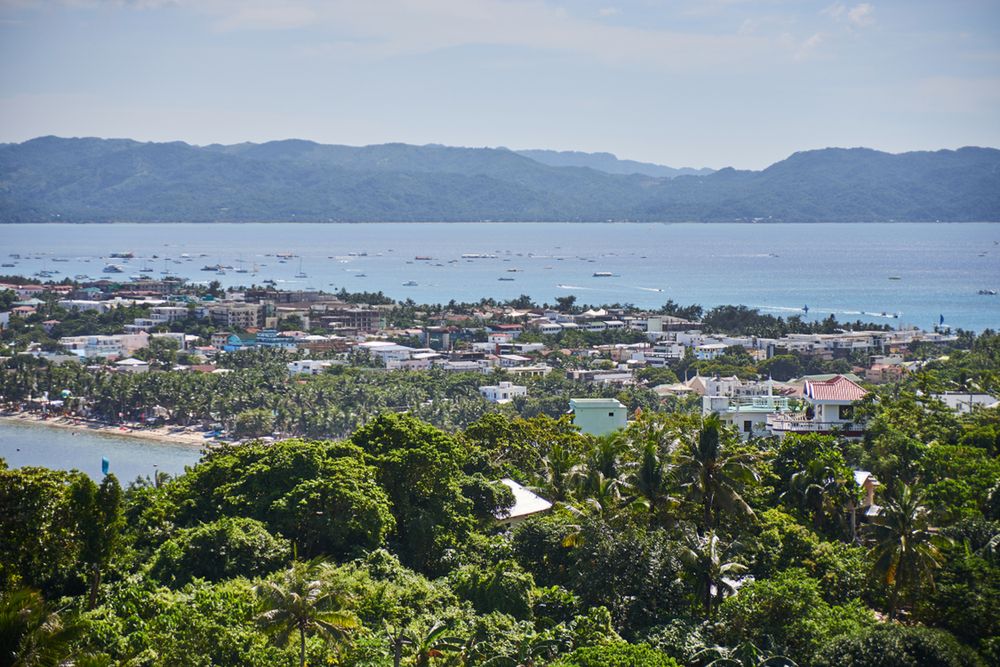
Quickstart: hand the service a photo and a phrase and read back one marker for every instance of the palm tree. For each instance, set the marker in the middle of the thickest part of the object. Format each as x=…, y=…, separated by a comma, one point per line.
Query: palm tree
x=649, y=482
x=556, y=470
x=707, y=560
x=823, y=489
x=300, y=600
x=711, y=476
x=905, y=547
x=31, y=635
x=430, y=644
x=741, y=655
x=527, y=651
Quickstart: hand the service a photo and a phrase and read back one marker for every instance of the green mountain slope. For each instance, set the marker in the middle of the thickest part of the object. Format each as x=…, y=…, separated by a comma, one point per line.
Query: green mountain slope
x=101, y=180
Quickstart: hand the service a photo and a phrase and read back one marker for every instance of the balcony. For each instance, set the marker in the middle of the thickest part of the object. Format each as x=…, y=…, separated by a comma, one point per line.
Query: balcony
x=780, y=423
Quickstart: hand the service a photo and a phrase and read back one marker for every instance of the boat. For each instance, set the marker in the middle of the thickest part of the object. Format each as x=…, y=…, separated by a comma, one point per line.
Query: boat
x=478, y=255
x=987, y=292
x=360, y=275
x=112, y=268
x=505, y=278
x=805, y=309
x=603, y=274
x=8, y=266
x=211, y=267
x=122, y=255
x=423, y=258
x=301, y=273
x=81, y=276
x=410, y=283
x=894, y=278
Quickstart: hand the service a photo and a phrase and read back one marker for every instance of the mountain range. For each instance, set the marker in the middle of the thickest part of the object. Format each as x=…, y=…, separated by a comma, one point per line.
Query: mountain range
x=51, y=179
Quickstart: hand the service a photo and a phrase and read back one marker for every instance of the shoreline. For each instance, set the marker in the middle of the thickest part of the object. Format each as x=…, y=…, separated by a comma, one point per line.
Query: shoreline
x=160, y=434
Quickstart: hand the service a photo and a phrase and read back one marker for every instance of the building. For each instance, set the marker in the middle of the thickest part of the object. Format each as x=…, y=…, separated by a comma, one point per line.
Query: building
x=749, y=414
x=598, y=416
x=119, y=345
x=965, y=402
x=236, y=315
x=830, y=409
x=504, y=392
x=132, y=365
x=526, y=505
x=308, y=366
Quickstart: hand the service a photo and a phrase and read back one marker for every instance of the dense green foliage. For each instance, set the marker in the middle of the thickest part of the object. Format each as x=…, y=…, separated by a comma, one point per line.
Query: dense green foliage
x=95, y=180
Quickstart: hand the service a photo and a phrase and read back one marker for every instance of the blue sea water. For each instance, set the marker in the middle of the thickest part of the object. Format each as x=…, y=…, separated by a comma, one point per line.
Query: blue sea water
x=902, y=273
x=64, y=449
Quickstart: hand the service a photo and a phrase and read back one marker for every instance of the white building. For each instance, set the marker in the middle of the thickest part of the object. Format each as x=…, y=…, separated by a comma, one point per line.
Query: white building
x=830, y=409
x=526, y=505
x=308, y=366
x=504, y=392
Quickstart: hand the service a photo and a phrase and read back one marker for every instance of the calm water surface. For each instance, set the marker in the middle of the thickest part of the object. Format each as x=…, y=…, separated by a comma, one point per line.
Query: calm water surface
x=897, y=273
x=38, y=445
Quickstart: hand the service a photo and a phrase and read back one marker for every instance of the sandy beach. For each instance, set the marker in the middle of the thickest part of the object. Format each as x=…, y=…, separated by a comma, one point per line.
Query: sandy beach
x=171, y=434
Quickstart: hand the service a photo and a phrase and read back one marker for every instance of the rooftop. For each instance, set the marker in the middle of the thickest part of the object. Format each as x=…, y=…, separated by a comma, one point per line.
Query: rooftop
x=838, y=388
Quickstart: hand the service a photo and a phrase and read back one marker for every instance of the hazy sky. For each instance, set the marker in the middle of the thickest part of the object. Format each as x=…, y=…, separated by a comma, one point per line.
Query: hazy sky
x=685, y=83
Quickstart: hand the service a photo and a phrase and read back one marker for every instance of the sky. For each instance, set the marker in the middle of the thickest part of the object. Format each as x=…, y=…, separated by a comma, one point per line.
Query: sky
x=692, y=83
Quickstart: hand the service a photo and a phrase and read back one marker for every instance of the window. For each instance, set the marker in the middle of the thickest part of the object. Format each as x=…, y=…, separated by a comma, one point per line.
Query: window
x=611, y=414
x=846, y=412
x=747, y=426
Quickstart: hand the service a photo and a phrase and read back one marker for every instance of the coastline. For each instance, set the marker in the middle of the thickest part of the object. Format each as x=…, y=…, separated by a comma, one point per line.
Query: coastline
x=159, y=434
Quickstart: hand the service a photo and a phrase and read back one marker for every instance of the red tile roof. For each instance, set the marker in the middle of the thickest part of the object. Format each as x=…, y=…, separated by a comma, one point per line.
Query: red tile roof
x=835, y=389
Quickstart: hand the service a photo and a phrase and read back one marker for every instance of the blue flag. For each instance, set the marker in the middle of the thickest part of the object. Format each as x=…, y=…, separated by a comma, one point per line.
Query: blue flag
x=105, y=465
x=941, y=320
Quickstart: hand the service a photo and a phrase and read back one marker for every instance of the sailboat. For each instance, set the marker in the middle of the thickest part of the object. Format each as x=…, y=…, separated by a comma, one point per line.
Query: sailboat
x=301, y=273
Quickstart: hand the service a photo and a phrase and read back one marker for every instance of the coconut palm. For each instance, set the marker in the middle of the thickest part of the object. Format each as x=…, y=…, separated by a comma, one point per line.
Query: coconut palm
x=301, y=601
x=649, y=483
x=430, y=644
x=32, y=635
x=706, y=560
x=711, y=476
x=905, y=547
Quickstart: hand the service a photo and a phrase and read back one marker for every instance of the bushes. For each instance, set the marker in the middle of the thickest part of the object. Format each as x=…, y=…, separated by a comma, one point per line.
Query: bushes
x=897, y=646
x=618, y=654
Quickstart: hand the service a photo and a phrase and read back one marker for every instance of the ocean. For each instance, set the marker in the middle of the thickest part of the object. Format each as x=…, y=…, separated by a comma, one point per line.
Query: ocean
x=897, y=273
x=30, y=444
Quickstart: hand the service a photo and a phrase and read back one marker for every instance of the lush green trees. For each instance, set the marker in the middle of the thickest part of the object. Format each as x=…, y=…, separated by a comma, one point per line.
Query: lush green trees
x=98, y=513
x=419, y=467
x=320, y=494
x=223, y=549
x=788, y=612
x=38, y=530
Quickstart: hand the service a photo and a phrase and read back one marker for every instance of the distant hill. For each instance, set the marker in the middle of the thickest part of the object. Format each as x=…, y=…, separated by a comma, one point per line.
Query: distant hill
x=609, y=163
x=103, y=180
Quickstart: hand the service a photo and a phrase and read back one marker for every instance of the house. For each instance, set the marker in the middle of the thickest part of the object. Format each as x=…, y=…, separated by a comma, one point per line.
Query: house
x=504, y=392
x=830, y=409
x=132, y=365
x=749, y=414
x=526, y=505
x=598, y=416
x=308, y=366
x=965, y=402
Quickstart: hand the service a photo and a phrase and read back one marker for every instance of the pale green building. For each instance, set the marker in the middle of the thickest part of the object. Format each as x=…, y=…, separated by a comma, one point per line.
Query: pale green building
x=598, y=416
